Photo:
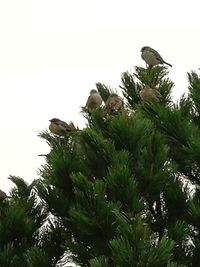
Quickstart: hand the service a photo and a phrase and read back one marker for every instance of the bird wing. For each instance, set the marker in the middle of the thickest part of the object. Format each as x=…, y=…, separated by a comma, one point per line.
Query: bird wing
x=62, y=124
x=157, y=55
x=149, y=94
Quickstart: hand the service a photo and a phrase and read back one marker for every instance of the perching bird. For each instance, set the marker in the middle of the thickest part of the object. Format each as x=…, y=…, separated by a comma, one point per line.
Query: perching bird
x=114, y=104
x=94, y=100
x=152, y=57
x=149, y=94
x=61, y=127
x=2, y=195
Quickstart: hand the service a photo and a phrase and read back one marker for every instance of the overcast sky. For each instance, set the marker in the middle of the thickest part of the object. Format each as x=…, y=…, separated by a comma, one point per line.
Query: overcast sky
x=53, y=52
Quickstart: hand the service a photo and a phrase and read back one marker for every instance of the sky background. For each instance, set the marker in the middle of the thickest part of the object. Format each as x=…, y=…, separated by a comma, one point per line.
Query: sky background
x=53, y=52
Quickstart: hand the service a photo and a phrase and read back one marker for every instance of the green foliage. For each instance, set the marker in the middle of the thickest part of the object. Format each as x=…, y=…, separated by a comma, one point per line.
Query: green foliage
x=124, y=191
x=103, y=90
x=194, y=81
x=36, y=257
x=130, y=89
x=21, y=219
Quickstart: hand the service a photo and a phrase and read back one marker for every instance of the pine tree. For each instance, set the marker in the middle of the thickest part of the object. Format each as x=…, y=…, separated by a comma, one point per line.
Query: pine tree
x=125, y=190
x=24, y=239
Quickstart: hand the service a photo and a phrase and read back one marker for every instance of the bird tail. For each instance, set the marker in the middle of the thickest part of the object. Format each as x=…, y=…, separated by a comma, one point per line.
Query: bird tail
x=167, y=64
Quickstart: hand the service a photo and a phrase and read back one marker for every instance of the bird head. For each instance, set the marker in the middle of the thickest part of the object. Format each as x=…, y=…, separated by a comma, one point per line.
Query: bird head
x=144, y=48
x=54, y=120
x=93, y=91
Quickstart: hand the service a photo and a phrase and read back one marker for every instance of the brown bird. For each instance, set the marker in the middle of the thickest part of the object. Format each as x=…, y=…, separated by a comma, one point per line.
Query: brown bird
x=114, y=104
x=149, y=94
x=94, y=100
x=2, y=195
x=61, y=127
x=152, y=57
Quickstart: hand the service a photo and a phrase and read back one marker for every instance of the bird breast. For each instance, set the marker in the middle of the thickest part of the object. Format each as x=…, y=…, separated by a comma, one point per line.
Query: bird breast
x=98, y=99
x=150, y=58
x=94, y=101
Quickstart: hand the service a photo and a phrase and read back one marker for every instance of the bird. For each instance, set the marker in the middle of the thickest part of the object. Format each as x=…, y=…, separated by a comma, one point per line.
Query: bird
x=61, y=128
x=94, y=100
x=152, y=57
x=2, y=195
x=114, y=104
x=149, y=94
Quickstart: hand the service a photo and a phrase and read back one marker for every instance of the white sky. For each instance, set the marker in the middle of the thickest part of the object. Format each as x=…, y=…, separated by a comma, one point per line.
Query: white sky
x=53, y=52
